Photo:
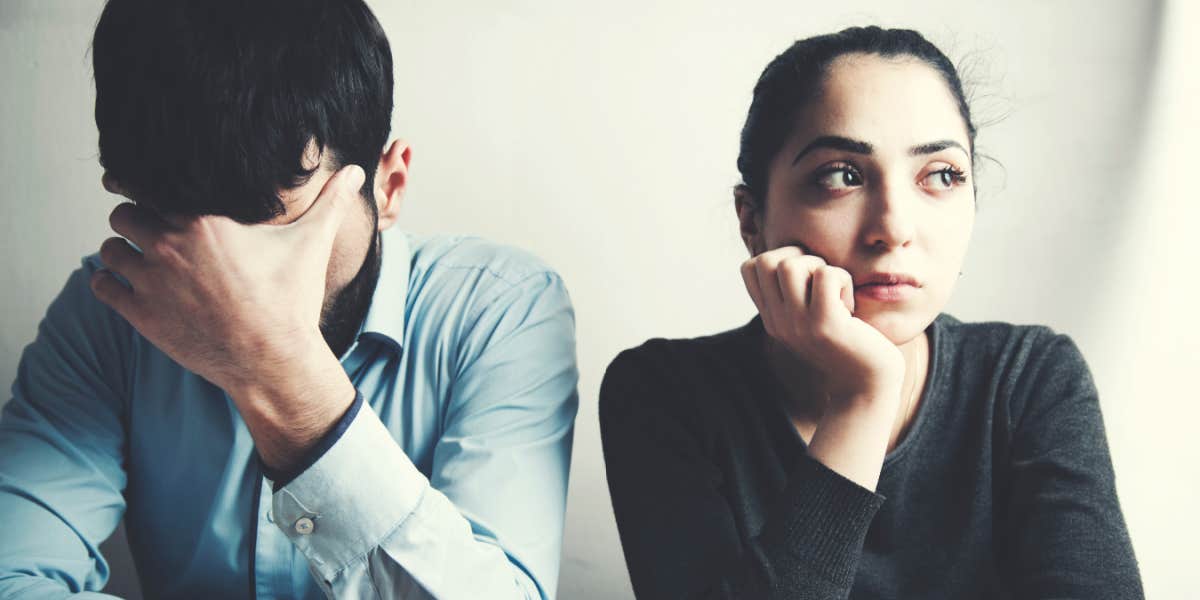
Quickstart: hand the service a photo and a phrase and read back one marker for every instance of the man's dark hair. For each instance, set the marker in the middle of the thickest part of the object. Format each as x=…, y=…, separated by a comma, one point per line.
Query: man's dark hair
x=208, y=106
x=795, y=77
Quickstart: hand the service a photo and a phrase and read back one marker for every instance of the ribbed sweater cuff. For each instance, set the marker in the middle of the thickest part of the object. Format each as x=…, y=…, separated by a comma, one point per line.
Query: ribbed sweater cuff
x=821, y=522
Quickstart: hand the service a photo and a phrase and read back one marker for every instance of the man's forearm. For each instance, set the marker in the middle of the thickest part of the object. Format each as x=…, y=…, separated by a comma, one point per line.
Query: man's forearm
x=364, y=513
x=291, y=406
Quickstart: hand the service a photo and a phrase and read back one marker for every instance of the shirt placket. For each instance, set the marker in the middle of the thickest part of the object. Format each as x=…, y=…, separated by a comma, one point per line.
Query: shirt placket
x=272, y=553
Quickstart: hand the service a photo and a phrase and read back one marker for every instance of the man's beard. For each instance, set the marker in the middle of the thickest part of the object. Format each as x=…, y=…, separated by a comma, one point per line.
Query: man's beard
x=344, y=314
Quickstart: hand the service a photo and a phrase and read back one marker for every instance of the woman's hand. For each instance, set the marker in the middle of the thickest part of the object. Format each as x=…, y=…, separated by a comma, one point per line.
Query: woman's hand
x=808, y=306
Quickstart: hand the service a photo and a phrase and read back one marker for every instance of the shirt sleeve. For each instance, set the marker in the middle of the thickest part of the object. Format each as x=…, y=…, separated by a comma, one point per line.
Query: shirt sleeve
x=677, y=529
x=488, y=521
x=1062, y=530
x=61, y=446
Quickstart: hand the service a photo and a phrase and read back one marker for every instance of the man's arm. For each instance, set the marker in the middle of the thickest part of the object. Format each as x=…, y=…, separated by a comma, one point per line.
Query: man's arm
x=251, y=327
x=488, y=522
x=61, y=447
x=240, y=306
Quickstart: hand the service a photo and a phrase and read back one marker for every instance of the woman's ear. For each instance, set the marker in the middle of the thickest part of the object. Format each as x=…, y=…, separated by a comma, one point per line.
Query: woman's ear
x=749, y=219
x=391, y=178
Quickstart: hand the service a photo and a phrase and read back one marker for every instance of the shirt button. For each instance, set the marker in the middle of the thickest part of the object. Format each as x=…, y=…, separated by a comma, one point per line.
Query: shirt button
x=270, y=516
x=304, y=526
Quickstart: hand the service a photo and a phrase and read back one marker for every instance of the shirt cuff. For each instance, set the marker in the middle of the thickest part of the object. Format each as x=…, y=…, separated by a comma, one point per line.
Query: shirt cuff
x=361, y=489
x=280, y=479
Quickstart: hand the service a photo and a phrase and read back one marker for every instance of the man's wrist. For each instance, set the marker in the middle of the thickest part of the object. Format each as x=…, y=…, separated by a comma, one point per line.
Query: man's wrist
x=280, y=479
x=291, y=407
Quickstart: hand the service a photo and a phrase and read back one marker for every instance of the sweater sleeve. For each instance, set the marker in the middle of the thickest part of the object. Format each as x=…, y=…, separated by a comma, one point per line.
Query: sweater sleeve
x=1065, y=536
x=677, y=529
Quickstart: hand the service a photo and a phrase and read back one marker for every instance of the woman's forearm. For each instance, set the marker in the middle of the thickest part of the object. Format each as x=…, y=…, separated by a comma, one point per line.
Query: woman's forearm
x=852, y=437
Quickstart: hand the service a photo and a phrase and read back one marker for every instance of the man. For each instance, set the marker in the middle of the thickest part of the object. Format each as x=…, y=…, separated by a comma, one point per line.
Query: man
x=281, y=401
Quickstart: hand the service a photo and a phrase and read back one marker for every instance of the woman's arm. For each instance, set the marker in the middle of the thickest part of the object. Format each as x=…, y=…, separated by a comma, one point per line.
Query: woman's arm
x=677, y=529
x=807, y=306
x=1061, y=527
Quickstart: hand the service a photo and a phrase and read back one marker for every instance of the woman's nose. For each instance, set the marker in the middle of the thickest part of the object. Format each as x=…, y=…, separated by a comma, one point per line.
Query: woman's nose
x=891, y=219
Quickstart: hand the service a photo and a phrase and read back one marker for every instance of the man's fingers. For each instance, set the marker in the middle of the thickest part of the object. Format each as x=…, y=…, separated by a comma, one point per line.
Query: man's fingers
x=119, y=256
x=336, y=196
x=137, y=224
x=112, y=186
x=109, y=290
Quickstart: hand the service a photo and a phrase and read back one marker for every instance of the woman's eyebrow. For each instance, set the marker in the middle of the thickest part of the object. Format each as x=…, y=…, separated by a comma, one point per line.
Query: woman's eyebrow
x=937, y=146
x=835, y=142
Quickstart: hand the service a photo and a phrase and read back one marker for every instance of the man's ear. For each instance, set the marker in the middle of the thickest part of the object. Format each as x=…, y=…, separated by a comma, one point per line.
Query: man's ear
x=749, y=214
x=391, y=178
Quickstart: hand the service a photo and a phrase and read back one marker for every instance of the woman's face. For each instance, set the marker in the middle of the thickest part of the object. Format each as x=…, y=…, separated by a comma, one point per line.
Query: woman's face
x=876, y=178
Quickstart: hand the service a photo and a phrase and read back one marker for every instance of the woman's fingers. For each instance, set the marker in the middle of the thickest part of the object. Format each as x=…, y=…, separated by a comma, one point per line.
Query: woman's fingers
x=797, y=291
x=750, y=277
x=829, y=292
x=848, y=294
x=767, y=269
x=795, y=280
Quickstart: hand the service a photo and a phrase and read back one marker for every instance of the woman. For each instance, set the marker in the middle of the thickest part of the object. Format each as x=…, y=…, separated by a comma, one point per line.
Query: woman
x=852, y=440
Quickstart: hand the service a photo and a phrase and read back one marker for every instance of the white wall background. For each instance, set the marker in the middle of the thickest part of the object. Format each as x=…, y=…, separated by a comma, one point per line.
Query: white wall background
x=603, y=138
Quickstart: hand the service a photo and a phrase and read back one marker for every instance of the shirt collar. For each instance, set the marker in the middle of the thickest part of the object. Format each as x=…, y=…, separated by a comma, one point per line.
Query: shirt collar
x=389, y=303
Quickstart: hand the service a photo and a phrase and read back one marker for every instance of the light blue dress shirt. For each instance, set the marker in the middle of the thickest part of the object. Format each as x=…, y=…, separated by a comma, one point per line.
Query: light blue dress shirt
x=450, y=480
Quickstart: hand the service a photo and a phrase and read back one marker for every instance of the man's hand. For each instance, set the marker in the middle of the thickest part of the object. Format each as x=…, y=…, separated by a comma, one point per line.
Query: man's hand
x=240, y=305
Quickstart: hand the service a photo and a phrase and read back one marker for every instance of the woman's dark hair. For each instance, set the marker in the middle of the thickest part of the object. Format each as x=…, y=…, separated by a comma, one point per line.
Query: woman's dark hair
x=208, y=106
x=794, y=78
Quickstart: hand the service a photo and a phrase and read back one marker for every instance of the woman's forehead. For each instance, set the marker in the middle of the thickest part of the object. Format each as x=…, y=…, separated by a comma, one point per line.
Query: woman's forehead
x=892, y=103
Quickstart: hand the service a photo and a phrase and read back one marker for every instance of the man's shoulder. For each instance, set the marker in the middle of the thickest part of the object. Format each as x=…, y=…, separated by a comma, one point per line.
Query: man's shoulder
x=453, y=279
x=457, y=257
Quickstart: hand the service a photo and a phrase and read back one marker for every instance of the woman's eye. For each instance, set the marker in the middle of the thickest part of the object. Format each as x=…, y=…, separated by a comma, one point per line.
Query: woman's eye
x=838, y=178
x=945, y=178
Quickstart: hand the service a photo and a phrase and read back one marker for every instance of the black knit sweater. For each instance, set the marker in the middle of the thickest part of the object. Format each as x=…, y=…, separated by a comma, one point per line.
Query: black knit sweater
x=1002, y=488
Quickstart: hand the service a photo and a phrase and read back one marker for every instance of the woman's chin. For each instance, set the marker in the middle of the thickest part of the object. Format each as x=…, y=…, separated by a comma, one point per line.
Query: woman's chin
x=898, y=325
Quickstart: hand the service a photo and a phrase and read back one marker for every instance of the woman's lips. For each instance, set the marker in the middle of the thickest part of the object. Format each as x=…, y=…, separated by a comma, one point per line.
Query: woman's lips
x=885, y=293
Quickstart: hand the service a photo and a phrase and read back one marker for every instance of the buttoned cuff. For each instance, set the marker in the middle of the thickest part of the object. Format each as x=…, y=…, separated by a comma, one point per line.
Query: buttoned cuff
x=280, y=479
x=357, y=492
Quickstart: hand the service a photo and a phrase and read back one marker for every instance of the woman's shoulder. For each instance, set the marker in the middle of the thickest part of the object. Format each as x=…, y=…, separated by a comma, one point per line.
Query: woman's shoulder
x=660, y=356
x=996, y=340
x=1013, y=359
x=697, y=371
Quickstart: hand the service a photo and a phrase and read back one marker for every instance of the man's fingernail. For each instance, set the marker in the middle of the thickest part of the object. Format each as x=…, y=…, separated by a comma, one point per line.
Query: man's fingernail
x=98, y=276
x=356, y=175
